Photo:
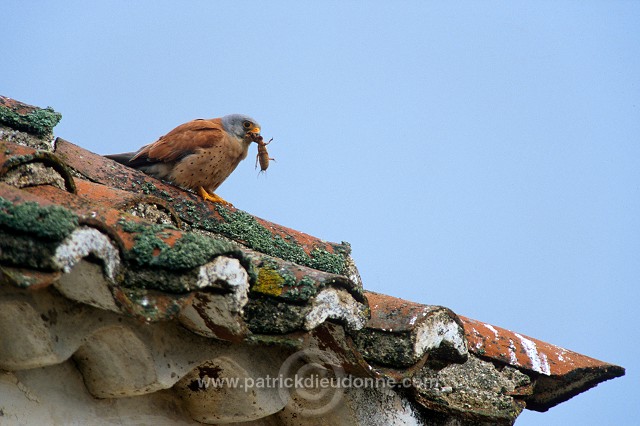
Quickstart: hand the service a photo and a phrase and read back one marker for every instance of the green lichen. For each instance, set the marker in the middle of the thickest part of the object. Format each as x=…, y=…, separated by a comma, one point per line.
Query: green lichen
x=344, y=248
x=193, y=250
x=48, y=222
x=27, y=251
x=185, y=208
x=270, y=316
x=39, y=121
x=148, y=187
x=244, y=228
x=241, y=226
x=303, y=290
x=390, y=349
x=269, y=263
x=190, y=251
x=166, y=195
x=324, y=261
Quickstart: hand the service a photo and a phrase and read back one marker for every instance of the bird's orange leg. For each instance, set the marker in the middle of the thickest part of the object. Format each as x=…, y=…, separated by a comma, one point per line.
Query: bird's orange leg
x=212, y=197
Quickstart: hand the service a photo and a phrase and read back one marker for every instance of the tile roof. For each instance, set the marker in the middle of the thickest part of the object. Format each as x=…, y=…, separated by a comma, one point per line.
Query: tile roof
x=28, y=124
x=560, y=373
x=148, y=289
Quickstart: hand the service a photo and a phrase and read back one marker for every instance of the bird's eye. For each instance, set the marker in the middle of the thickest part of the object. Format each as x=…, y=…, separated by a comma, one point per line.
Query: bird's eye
x=246, y=124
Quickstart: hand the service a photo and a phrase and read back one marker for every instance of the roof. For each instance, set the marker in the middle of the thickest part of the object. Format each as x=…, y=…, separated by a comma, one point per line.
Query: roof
x=150, y=290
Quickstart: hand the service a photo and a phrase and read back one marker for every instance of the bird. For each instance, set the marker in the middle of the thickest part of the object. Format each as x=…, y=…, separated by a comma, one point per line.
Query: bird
x=198, y=155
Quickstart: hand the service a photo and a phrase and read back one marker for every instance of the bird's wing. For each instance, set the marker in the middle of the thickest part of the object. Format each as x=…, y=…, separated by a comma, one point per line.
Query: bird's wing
x=182, y=141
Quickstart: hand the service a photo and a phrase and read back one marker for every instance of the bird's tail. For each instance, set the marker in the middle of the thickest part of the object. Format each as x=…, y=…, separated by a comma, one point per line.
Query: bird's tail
x=122, y=158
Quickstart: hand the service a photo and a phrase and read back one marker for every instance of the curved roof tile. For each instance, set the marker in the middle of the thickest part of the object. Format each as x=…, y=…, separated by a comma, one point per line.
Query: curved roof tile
x=149, y=289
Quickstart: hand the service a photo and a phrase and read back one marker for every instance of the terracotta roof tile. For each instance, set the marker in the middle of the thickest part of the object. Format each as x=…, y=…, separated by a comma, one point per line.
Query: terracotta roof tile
x=401, y=333
x=16, y=159
x=27, y=118
x=561, y=373
x=136, y=204
x=91, y=250
x=255, y=233
x=27, y=278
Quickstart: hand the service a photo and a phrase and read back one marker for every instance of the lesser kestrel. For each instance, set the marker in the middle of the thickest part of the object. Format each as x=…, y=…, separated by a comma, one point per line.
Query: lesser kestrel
x=197, y=155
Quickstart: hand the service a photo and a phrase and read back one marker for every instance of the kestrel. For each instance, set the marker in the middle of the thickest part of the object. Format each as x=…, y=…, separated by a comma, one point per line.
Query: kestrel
x=197, y=155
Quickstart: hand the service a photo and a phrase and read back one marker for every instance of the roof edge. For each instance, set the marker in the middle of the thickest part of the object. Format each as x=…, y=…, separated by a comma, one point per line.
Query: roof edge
x=28, y=118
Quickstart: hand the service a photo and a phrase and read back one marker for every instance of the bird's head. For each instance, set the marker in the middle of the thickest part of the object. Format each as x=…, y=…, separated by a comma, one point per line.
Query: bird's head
x=241, y=126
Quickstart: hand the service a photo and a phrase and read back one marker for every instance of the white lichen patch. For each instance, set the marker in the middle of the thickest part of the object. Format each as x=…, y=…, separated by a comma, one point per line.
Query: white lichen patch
x=512, y=353
x=83, y=242
x=335, y=304
x=437, y=330
x=232, y=274
x=490, y=327
x=545, y=363
x=562, y=354
x=538, y=360
x=414, y=318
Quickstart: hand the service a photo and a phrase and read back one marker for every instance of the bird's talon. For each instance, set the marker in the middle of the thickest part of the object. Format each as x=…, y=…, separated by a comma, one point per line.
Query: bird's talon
x=213, y=197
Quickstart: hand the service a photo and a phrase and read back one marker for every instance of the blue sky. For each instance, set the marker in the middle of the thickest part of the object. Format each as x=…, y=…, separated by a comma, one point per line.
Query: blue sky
x=477, y=155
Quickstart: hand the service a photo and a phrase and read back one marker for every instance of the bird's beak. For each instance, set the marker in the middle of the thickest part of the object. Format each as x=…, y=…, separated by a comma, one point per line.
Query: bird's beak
x=256, y=130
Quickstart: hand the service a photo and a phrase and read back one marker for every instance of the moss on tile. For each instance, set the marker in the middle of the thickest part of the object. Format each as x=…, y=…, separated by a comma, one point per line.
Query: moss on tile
x=190, y=251
x=148, y=188
x=186, y=208
x=270, y=316
x=386, y=348
x=39, y=121
x=193, y=250
x=324, y=261
x=243, y=227
x=27, y=251
x=159, y=278
x=166, y=195
x=48, y=222
x=304, y=289
x=476, y=391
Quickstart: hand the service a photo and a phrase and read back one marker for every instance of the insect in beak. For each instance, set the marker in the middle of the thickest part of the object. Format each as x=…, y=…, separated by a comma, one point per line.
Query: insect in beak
x=263, y=156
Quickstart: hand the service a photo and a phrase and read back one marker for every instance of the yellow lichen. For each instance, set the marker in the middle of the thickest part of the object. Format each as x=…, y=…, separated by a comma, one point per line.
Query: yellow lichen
x=269, y=282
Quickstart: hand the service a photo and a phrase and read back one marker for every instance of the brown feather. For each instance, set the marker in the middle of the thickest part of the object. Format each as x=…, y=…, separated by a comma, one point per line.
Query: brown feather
x=209, y=167
x=196, y=155
x=184, y=140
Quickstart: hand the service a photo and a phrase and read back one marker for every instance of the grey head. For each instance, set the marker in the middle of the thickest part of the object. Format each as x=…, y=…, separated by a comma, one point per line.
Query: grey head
x=239, y=125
